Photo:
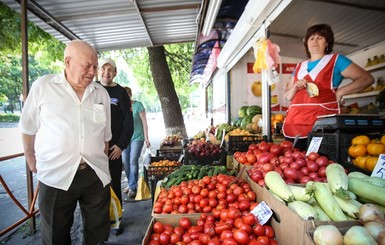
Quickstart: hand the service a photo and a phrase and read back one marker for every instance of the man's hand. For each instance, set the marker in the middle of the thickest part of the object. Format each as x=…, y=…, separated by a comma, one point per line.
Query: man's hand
x=31, y=161
x=116, y=152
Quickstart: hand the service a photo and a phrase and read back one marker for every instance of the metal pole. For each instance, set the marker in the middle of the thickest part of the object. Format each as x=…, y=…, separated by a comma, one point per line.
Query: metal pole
x=25, y=71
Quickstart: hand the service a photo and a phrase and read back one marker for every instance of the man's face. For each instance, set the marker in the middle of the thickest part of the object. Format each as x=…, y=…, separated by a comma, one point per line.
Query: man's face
x=107, y=73
x=82, y=69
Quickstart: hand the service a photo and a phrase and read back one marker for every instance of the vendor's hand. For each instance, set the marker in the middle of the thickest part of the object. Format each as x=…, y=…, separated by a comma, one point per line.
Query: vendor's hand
x=300, y=84
x=148, y=144
x=340, y=98
x=116, y=152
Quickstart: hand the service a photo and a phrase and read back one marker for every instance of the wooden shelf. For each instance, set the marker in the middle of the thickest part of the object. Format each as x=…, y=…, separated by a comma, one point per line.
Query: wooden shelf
x=376, y=67
x=361, y=95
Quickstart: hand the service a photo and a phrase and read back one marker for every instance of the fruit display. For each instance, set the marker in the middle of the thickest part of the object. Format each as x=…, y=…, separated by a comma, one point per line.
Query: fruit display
x=365, y=151
x=223, y=127
x=245, y=115
x=276, y=118
x=202, y=148
x=172, y=140
x=162, y=167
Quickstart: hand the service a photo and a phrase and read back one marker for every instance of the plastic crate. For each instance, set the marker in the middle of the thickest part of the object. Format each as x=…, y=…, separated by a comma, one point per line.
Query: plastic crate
x=335, y=145
x=353, y=168
x=190, y=159
x=242, y=143
x=161, y=171
x=171, y=154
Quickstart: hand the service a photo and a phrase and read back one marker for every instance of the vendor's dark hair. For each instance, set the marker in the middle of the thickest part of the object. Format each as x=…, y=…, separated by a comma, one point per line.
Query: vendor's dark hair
x=323, y=30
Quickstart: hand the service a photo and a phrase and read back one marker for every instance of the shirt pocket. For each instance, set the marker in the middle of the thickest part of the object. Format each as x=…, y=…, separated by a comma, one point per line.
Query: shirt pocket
x=99, y=113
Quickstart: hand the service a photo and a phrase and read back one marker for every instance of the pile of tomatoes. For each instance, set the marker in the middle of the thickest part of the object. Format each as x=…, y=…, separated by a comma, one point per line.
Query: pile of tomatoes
x=365, y=151
x=293, y=165
x=231, y=227
x=210, y=194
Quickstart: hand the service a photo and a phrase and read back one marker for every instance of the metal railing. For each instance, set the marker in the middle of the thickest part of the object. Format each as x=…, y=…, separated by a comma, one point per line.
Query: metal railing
x=30, y=214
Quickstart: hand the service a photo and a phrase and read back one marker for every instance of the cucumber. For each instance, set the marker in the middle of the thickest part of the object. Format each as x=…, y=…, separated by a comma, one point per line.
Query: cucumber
x=202, y=173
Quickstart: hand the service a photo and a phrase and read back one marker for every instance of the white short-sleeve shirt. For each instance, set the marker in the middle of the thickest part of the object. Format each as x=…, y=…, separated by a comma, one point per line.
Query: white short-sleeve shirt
x=67, y=130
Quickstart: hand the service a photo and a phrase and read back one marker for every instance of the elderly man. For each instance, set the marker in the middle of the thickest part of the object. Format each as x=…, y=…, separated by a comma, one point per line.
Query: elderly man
x=65, y=131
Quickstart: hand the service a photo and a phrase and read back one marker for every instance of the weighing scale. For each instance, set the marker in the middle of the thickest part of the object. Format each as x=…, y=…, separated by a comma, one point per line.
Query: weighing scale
x=348, y=122
x=337, y=132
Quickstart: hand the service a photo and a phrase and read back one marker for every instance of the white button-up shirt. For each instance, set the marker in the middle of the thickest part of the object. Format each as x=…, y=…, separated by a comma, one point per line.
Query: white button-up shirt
x=67, y=130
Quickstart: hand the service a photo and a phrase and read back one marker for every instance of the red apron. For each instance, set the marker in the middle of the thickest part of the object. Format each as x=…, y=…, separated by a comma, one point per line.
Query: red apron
x=304, y=110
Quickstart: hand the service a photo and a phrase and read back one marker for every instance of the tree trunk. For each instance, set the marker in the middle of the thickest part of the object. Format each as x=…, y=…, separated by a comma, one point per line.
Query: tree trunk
x=172, y=112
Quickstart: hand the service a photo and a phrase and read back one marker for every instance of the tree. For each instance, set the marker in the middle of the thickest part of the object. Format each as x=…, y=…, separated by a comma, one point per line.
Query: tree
x=171, y=65
x=45, y=55
x=172, y=112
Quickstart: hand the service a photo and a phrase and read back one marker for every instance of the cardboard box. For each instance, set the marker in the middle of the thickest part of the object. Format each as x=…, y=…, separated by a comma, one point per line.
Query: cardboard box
x=169, y=219
x=289, y=227
x=343, y=227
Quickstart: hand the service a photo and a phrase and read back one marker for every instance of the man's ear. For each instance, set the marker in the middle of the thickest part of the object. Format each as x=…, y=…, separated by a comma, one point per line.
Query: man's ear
x=67, y=61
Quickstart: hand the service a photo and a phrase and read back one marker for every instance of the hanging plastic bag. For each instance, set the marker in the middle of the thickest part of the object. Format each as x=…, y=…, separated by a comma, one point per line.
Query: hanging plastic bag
x=146, y=158
x=115, y=211
x=143, y=192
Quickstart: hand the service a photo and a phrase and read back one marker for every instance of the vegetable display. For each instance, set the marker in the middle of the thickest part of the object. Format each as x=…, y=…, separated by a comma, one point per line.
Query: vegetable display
x=189, y=172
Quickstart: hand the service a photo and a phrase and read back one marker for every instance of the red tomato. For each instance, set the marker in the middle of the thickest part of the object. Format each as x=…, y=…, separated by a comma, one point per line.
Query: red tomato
x=204, y=238
x=185, y=223
x=241, y=237
x=158, y=227
x=226, y=234
x=244, y=205
x=222, y=226
x=234, y=213
x=153, y=242
x=269, y=231
x=249, y=219
x=229, y=241
x=174, y=238
x=164, y=238
x=264, y=240
x=214, y=241
x=259, y=230
x=186, y=238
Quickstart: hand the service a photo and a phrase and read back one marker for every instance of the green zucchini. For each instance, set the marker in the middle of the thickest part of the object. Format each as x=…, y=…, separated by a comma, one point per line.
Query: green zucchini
x=362, y=188
x=300, y=193
x=337, y=180
x=277, y=185
x=304, y=210
x=325, y=199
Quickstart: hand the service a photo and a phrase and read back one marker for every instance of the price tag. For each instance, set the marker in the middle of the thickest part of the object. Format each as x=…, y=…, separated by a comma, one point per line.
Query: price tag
x=262, y=212
x=223, y=137
x=315, y=143
x=379, y=169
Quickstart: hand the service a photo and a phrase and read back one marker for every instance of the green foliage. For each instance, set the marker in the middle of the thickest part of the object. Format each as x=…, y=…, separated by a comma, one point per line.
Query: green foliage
x=44, y=53
x=9, y=118
x=178, y=57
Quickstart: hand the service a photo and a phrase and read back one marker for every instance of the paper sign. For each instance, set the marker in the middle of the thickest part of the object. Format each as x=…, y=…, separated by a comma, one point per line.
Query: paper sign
x=262, y=212
x=223, y=137
x=315, y=143
x=379, y=169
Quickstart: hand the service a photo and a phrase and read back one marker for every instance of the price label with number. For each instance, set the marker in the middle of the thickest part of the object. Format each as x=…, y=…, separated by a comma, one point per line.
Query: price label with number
x=262, y=212
x=379, y=169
